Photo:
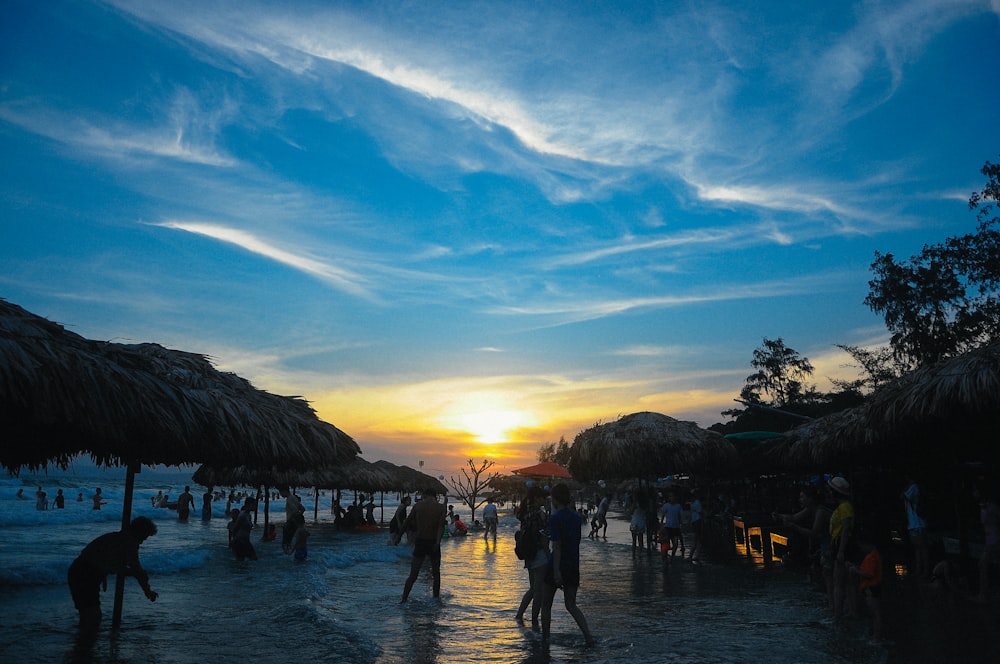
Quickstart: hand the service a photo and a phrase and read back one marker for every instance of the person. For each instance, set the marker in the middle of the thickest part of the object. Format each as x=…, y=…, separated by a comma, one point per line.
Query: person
x=242, y=525
x=79, y=497
x=60, y=500
x=637, y=521
x=206, y=504
x=111, y=553
x=841, y=526
x=671, y=512
x=300, y=549
x=270, y=533
x=800, y=523
x=20, y=494
x=989, y=516
x=234, y=515
x=916, y=526
x=41, y=499
x=490, y=518
x=184, y=504
x=533, y=524
x=428, y=520
x=818, y=534
x=370, y=511
x=396, y=523
x=870, y=586
x=157, y=499
x=563, y=570
x=98, y=499
x=294, y=517
x=696, y=527
x=457, y=527
x=602, y=515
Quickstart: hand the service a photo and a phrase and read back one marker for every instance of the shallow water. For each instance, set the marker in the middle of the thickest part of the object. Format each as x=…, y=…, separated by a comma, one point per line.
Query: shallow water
x=342, y=604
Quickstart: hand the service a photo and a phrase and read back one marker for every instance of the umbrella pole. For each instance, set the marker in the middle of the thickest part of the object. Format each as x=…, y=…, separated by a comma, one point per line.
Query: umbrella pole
x=316, y=504
x=267, y=506
x=133, y=468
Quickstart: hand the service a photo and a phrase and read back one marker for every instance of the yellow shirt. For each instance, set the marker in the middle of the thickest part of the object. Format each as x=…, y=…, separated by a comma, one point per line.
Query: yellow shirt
x=843, y=512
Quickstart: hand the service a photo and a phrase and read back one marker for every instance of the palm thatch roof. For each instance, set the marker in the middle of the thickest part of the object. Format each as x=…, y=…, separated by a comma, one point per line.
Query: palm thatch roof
x=939, y=413
x=62, y=394
x=647, y=445
x=410, y=480
x=358, y=474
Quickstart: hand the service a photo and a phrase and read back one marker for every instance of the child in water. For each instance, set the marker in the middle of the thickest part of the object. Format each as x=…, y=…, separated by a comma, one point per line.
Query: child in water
x=300, y=549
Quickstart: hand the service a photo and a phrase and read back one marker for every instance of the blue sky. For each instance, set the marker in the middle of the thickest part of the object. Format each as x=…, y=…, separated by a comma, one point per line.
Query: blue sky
x=468, y=229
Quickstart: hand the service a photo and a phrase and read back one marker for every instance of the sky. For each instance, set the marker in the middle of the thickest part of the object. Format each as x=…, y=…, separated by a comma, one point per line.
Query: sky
x=468, y=229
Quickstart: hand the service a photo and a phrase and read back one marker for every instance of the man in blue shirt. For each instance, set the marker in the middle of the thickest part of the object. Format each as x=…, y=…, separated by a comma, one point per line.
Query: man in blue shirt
x=564, y=565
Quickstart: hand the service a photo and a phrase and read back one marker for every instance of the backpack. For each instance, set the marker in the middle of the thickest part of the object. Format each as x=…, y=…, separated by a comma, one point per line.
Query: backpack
x=525, y=545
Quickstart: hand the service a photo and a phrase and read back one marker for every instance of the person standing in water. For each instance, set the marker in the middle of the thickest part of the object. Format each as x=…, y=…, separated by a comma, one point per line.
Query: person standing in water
x=427, y=518
x=206, y=504
x=184, y=504
x=98, y=499
x=112, y=553
x=564, y=565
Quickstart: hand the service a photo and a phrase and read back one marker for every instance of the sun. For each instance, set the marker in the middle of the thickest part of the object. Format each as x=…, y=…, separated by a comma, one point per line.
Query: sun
x=492, y=426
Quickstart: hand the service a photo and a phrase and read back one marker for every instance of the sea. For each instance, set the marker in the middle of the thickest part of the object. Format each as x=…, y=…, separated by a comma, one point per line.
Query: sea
x=342, y=604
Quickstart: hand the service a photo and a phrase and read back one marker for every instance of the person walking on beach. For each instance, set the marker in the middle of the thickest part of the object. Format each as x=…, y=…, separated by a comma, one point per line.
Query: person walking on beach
x=490, y=518
x=671, y=512
x=696, y=527
x=98, y=499
x=602, y=515
x=184, y=504
x=112, y=553
x=637, y=521
x=564, y=565
x=427, y=518
x=534, y=525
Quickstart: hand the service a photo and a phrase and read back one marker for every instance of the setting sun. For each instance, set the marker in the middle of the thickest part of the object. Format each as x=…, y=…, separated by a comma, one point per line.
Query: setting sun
x=492, y=426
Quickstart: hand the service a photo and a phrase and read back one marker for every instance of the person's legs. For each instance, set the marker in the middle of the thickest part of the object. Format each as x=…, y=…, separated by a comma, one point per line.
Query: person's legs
x=415, y=564
x=548, y=596
x=538, y=592
x=525, y=599
x=569, y=598
x=436, y=571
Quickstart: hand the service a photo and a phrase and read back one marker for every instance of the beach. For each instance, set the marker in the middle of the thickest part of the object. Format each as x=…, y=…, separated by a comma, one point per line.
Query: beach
x=342, y=603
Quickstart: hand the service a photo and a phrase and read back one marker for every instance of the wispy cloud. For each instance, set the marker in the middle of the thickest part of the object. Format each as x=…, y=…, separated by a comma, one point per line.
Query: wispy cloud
x=339, y=278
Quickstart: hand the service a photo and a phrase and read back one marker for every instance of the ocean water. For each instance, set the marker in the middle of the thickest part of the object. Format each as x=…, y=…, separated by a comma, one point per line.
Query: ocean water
x=342, y=604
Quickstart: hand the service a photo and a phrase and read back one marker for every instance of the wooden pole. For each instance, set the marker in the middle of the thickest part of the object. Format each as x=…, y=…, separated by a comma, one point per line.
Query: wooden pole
x=133, y=469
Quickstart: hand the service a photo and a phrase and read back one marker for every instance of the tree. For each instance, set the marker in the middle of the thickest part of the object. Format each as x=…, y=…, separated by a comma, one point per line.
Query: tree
x=944, y=301
x=471, y=485
x=878, y=366
x=555, y=452
x=780, y=372
x=779, y=377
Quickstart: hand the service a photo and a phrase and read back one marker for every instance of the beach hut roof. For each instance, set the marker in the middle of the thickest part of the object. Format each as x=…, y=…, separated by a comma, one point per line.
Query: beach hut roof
x=411, y=480
x=357, y=474
x=62, y=394
x=646, y=445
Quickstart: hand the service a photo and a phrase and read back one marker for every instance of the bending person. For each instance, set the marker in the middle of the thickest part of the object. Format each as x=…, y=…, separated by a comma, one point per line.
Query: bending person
x=112, y=553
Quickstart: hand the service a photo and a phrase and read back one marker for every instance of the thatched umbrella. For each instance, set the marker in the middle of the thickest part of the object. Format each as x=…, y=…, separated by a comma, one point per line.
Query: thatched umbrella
x=645, y=445
x=825, y=442
x=62, y=394
x=410, y=480
x=133, y=404
x=945, y=411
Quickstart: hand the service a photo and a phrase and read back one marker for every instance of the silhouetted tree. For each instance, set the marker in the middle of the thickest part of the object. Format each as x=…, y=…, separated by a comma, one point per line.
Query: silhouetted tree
x=944, y=300
x=471, y=487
